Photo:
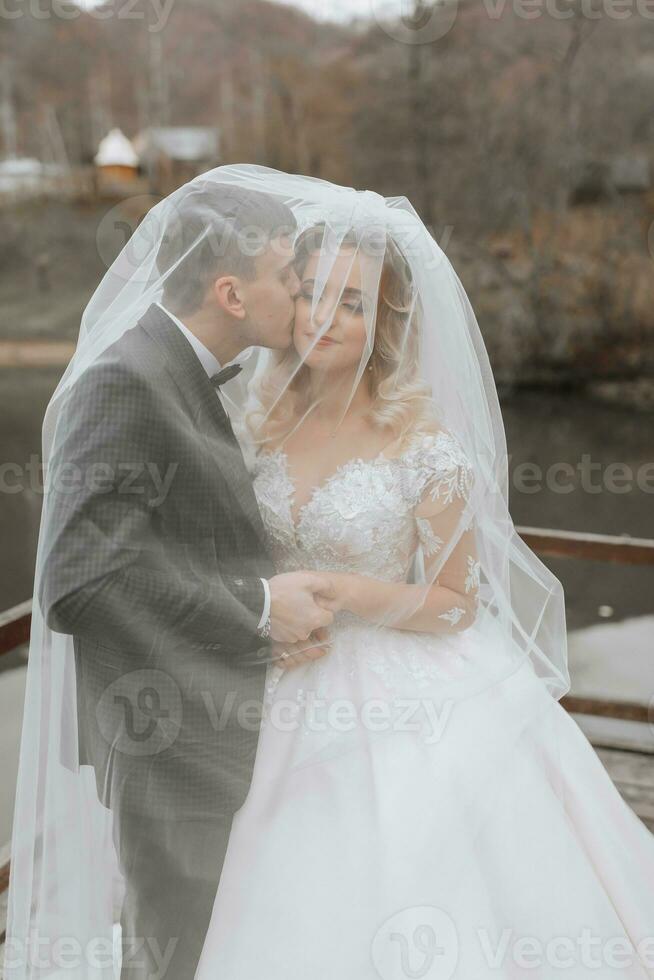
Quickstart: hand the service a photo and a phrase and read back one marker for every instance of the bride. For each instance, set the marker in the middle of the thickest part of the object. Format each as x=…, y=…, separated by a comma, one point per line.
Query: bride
x=421, y=804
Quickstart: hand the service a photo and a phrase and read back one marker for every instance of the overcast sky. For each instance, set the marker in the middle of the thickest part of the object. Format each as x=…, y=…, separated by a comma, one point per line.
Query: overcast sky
x=346, y=9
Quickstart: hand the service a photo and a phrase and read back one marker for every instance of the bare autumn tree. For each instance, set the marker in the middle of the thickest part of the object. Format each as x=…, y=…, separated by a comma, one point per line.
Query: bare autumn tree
x=481, y=128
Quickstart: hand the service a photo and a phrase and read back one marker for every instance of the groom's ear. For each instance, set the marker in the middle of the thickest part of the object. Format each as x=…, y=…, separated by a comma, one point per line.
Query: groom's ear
x=228, y=293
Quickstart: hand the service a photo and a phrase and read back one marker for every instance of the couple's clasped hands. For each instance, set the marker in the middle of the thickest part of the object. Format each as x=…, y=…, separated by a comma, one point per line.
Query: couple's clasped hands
x=302, y=607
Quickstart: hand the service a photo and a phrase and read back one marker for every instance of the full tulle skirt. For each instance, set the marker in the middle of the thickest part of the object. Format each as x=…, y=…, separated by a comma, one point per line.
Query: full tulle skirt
x=405, y=820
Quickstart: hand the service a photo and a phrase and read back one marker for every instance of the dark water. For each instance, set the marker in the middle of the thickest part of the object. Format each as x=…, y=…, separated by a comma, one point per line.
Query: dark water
x=24, y=395
x=543, y=429
x=609, y=451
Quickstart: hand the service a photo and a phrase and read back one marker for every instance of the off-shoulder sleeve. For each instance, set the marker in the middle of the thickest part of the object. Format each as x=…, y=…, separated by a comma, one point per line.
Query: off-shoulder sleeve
x=442, y=486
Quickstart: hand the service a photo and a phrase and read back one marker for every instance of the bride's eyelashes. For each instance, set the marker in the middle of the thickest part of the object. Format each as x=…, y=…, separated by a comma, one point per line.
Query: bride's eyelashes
x=352, y=305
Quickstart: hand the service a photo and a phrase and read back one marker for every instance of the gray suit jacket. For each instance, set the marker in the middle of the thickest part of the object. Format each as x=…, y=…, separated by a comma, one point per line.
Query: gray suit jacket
x=153, y=552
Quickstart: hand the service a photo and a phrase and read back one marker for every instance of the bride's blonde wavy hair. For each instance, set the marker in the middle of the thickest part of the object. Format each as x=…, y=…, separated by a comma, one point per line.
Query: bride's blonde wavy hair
x=401, y=401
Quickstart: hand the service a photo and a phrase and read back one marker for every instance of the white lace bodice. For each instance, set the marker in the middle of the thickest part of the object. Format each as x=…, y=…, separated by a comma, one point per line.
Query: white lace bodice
x=365, y=517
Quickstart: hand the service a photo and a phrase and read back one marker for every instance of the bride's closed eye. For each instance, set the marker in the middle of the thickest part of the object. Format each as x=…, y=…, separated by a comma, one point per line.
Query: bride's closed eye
x=349, y=303
x=353, y=306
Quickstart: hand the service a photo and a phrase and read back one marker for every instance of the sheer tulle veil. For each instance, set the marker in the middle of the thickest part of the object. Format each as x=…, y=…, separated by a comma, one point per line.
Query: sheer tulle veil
x=430, y=369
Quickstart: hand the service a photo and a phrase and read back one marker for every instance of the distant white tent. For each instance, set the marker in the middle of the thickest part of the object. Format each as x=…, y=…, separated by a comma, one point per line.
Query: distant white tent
x=116, y=150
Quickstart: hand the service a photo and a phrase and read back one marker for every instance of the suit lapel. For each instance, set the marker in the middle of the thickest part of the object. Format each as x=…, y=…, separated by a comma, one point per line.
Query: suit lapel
x=206, y=408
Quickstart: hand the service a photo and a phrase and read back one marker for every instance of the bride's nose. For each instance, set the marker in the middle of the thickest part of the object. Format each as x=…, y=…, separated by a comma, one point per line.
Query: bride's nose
x=322, y=316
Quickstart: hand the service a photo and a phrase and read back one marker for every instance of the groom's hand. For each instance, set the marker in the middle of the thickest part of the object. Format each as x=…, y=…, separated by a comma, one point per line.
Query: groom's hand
x=289, y=655
x=294, y=612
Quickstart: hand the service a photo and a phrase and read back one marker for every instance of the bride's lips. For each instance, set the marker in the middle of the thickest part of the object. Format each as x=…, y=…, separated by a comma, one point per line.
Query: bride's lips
x=323, y=342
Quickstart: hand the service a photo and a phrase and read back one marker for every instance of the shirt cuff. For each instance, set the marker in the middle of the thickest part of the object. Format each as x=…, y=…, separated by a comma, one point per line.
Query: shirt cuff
x=266, y=604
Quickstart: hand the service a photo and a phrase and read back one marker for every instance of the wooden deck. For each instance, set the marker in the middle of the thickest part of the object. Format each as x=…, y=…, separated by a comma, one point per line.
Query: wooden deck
x=633, y=775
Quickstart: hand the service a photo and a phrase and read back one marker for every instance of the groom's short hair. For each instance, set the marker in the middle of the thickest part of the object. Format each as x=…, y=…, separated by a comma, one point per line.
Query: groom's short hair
x=216, y=231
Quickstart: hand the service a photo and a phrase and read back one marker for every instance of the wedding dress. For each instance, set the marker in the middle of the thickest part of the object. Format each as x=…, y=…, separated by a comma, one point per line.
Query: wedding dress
x=419, y=833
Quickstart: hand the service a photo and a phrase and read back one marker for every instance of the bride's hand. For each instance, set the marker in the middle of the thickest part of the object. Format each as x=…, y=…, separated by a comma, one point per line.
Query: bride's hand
x=342, y=591
x=365, y=597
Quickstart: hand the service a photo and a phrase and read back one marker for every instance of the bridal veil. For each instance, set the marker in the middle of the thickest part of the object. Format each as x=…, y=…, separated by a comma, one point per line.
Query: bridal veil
x=430, y=370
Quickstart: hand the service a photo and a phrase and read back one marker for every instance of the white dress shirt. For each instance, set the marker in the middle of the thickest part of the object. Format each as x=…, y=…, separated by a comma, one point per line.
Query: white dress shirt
x=212, y=366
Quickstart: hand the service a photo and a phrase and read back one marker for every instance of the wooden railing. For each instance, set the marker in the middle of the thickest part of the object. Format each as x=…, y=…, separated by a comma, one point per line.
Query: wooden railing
x=15, y=623
x=15, y=627
x=621, y=549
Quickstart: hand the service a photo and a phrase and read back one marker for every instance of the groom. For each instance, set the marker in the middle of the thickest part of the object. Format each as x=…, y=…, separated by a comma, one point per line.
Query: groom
x=156, y=564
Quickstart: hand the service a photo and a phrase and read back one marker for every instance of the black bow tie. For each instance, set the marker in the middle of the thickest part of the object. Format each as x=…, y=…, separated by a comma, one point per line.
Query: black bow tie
x=225, y=374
